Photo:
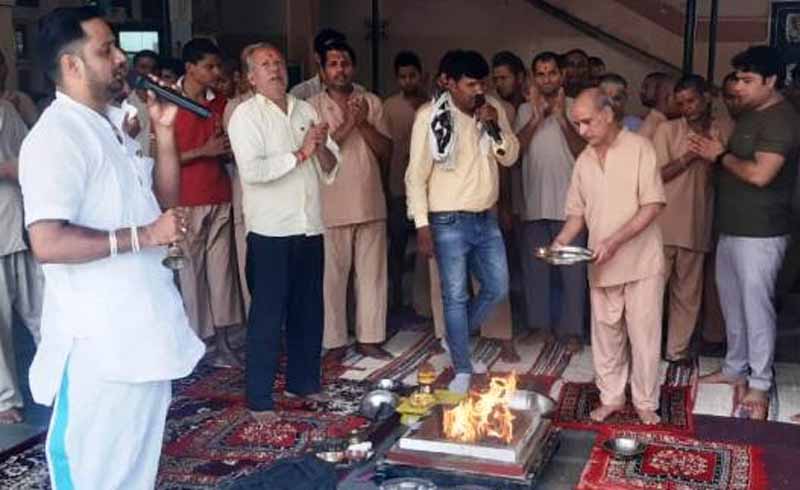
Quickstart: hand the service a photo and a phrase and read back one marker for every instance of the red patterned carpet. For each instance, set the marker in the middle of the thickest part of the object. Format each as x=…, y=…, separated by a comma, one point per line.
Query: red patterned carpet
x=579, y=399
x=676, y=463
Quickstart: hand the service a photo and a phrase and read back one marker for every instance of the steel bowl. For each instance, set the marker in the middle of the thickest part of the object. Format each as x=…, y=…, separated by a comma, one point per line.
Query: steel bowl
x=624, y=447
x=378, y=404
x=408, y=484
x=387, y=384
x=567, y=255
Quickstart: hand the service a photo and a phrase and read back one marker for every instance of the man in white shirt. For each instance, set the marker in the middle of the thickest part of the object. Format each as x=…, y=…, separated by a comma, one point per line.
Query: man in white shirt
x=145, y=63
x=20, y=276
x=114, y=332
x=280, y=148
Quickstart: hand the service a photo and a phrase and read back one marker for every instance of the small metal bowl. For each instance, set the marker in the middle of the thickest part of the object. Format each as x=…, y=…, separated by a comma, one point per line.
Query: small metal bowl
x=387, y=384
x=378, y=404
x=624, y=447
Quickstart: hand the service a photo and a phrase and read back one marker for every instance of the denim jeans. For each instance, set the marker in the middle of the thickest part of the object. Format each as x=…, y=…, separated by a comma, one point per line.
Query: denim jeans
x=468, y=244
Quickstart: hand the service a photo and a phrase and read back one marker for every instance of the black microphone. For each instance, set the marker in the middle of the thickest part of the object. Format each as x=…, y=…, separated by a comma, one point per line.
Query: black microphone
x=144, y=83
x=491, y=126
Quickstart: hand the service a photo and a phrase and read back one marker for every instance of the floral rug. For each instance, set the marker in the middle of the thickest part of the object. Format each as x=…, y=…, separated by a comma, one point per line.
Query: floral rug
x=579, y=399
x=210, y=439
x=676, y=463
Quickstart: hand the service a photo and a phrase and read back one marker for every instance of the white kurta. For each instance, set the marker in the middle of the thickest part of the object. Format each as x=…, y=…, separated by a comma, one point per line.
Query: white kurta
x=122, y=313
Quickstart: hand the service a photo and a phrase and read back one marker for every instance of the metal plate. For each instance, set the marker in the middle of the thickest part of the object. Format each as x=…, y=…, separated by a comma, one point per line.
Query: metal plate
x=564, y=255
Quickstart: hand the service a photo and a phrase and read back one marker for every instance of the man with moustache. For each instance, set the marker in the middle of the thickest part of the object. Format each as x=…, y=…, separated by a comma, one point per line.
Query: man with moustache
x=452, y=188
x=616, y=192
x=686, y=221
x=145, y=63
x=114, y=332
x=400, y=109
x=283, y=151
x=354, y=207
x=758, y=169
x=550, y=143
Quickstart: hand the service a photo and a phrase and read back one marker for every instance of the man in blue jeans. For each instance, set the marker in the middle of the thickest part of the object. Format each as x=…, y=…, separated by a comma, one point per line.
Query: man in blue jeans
x=457, y=142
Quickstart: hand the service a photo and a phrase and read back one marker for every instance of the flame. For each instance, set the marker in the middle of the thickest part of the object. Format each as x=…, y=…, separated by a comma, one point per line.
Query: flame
x=483, y=415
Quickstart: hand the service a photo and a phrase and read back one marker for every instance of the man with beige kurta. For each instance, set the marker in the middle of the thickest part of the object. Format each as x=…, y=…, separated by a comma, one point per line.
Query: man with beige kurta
x=21, y=279
x=663, y=107
x=354, y=207
x=687, y=218
x=616, y=192
x=452, y=186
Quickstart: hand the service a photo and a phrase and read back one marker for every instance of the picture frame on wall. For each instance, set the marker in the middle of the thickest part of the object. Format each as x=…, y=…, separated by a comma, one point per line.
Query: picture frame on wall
x=784, y=34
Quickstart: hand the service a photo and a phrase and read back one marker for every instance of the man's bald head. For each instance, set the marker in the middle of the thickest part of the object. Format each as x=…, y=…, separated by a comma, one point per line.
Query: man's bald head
x=594, y=115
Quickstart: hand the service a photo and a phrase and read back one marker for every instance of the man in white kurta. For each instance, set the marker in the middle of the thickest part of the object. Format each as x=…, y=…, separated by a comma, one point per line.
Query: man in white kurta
x=114, y=332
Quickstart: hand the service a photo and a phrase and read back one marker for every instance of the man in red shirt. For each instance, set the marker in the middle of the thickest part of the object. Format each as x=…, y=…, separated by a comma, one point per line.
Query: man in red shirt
x=210, y=290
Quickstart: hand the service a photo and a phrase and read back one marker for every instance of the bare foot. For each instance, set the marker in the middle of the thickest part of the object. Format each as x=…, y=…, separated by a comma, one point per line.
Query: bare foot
x=226, y=359
x=264, y=416
x=10, y=416
x=317, y=397
x=508, y=353
x=602, y=412
x=717, y=377
x=438, y=348
x=795, y=418
x=574, y=344
x=375, y=351
x=336, y=355
x=648, y=417
x=757, y=403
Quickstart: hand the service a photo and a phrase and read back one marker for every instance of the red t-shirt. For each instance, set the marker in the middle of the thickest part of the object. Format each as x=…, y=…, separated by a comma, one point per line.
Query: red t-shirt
x=203, y=180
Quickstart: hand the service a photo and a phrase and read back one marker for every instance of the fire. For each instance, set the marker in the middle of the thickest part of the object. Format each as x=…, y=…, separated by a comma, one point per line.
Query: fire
x=483, y=415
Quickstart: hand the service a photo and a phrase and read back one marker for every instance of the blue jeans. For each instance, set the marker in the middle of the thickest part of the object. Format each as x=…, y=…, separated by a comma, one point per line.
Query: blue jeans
x=468, y=244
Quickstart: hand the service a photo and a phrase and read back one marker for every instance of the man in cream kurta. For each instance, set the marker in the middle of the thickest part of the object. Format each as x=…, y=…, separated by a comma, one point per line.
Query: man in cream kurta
x=452, y=188
x=687, y=218
x=616, y=192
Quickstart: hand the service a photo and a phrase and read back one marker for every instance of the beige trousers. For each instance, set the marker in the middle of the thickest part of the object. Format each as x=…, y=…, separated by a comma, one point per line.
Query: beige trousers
x=361, y=248
x=498, y=324
x=21, y=291
x=683, y=275
x=631, y=311
x=210, y=281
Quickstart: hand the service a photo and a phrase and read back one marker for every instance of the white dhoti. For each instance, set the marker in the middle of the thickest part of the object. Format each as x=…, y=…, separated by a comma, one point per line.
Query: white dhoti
x=105, y=434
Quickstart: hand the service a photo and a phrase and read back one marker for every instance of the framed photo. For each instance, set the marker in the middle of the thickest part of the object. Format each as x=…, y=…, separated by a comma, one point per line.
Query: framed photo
x=784, y=33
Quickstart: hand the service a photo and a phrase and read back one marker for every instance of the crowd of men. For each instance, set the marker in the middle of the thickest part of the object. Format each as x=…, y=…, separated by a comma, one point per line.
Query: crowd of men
x=293, y=205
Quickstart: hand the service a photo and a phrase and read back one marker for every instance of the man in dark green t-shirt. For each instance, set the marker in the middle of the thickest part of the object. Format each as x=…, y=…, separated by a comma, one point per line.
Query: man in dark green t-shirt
x=757, y=172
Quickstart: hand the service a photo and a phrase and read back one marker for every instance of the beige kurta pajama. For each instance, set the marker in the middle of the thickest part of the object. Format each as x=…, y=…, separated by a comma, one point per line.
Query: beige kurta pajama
x=686, y=224
x=626, y=291
x=354, y=214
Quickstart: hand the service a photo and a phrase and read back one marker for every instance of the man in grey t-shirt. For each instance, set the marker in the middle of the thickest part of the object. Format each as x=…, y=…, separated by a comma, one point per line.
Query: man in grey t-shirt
x=549, y=144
